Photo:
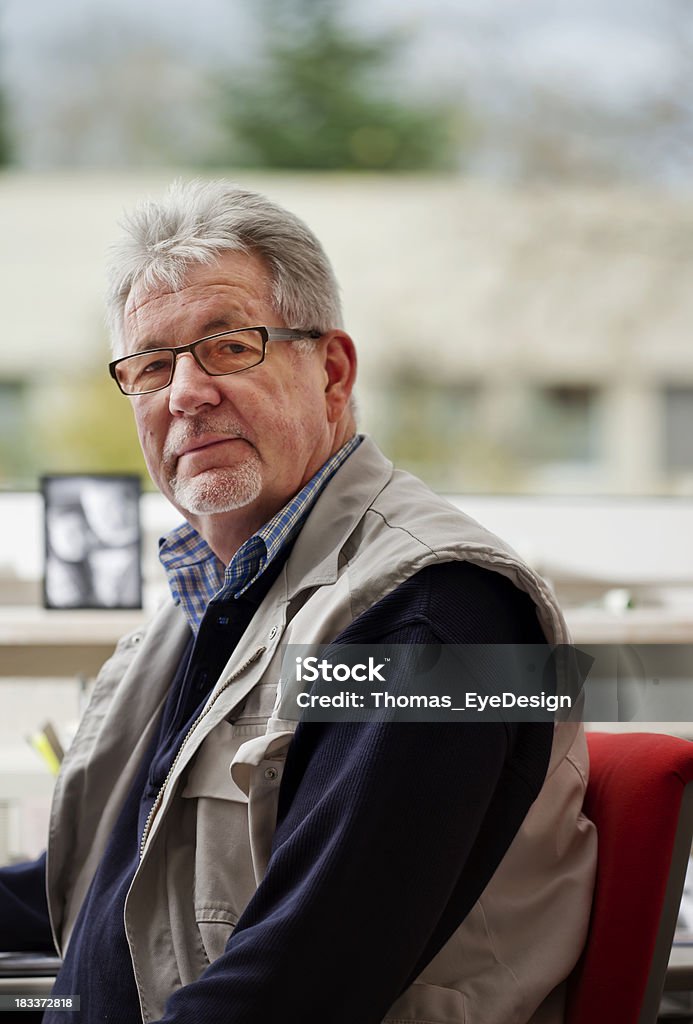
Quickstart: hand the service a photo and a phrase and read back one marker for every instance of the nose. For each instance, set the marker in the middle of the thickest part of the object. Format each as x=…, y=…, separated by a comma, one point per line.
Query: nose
x=191, y=388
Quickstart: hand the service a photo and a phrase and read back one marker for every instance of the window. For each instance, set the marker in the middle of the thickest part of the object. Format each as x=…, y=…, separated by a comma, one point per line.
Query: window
x=561, y=424
x=678, y=428
x=426, y=426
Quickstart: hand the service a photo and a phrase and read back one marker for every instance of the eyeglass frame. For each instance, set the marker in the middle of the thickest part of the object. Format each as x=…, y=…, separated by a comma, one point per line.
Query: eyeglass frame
x=266, y=333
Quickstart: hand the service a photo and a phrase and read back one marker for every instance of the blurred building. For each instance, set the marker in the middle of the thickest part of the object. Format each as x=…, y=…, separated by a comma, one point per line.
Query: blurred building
x=527, y=339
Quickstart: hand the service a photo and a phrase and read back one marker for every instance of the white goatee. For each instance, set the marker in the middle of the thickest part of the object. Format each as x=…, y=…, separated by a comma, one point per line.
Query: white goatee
x=221, y=489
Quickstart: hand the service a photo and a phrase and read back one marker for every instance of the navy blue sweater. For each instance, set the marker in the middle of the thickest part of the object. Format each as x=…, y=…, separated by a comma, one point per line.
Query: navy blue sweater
x=386, y=836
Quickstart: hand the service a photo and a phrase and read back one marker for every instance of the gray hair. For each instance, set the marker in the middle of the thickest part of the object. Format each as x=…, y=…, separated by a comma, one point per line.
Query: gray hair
x=195, y=222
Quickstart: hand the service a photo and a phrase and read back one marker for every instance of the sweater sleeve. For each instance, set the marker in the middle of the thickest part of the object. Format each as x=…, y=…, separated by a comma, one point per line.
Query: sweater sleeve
x=24, y=924
x=387, y=833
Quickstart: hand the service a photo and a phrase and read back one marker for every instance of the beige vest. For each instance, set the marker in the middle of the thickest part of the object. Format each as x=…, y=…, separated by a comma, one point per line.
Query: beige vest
x=371, y=529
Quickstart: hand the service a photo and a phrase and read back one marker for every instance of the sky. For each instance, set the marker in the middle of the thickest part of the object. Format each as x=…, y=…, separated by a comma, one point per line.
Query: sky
x=615, y=55
x=615, y=48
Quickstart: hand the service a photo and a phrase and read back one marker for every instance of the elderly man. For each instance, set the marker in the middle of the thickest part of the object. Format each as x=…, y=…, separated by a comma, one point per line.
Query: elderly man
x=211, y=860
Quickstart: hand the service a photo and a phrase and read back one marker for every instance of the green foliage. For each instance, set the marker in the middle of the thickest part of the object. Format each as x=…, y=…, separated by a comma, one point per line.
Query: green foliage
x=6, y=147
x=316, y=100
x=90, y=429
x=5, y=143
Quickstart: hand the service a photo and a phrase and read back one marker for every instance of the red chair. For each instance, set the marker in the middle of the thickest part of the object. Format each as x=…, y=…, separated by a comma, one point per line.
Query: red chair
x=640, y=798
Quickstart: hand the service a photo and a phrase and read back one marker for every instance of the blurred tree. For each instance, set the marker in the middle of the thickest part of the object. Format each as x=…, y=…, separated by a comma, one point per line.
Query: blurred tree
x=6, y=148
x=5, y=141
x=88, y=426
x=317, y=99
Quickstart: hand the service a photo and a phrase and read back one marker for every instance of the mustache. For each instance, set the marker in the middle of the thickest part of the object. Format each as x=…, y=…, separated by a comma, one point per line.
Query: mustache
x=182, y=433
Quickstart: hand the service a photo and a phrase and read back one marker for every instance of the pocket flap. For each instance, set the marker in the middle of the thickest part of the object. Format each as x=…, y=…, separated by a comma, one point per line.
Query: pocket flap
x=210, y=772
x=271, y=746
x=257, y=707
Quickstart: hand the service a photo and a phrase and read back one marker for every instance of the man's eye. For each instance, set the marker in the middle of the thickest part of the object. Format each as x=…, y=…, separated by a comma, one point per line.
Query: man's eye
x=226, y=354
x=233, y=348
x=155, y=366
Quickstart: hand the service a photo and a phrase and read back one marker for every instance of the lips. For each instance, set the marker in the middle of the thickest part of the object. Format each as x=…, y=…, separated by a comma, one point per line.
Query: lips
x=198, y=444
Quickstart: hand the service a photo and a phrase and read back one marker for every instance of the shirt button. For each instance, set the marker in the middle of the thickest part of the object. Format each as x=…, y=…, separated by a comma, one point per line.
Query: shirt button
x=273, y=632
x=271, y=774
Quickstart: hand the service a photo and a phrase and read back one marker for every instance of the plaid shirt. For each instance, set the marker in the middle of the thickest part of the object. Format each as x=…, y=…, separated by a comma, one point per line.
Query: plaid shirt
x=196, y=575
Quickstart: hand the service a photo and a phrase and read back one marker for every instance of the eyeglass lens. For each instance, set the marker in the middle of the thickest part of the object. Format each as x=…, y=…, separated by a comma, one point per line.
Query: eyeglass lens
x=228, y=353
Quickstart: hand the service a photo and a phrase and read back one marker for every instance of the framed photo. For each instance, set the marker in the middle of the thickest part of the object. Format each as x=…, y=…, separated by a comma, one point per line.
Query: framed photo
x=92, y=541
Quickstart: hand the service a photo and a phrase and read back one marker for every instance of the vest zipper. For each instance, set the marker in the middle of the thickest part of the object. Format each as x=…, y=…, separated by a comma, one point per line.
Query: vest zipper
x=159, y=796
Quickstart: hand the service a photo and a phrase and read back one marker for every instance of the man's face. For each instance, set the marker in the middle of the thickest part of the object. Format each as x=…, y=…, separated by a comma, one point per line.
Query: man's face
x=248, y=440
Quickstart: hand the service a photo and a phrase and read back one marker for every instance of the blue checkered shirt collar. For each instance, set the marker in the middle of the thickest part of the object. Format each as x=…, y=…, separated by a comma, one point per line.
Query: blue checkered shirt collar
x=196, y=575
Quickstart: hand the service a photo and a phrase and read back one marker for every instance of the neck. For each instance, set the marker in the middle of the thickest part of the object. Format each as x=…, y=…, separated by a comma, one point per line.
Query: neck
x=226, y=532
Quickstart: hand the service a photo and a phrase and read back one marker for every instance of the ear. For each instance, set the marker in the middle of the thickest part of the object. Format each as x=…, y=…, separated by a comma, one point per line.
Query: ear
x=339, y=354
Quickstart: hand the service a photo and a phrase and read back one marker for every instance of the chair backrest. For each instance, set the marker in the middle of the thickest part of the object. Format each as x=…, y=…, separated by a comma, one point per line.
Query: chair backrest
x=640, y=798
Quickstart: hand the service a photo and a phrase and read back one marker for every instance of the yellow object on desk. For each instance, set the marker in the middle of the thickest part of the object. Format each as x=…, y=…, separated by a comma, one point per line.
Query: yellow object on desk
x=43, y=746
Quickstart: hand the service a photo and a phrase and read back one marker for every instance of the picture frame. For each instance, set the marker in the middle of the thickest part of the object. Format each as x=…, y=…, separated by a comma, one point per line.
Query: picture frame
x=92, y=541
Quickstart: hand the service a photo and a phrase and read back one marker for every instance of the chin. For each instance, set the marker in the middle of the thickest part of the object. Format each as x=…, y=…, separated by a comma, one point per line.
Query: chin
x=218, y=490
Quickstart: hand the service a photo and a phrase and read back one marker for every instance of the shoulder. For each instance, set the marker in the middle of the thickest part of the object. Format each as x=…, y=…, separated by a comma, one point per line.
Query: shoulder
x=456, y=602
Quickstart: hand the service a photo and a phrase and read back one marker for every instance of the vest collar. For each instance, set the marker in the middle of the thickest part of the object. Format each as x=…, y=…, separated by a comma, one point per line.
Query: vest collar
x=335, y=515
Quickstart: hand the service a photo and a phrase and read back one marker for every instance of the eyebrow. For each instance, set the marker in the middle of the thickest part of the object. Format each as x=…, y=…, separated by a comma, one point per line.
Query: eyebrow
x=216, y=326
x=221, y=323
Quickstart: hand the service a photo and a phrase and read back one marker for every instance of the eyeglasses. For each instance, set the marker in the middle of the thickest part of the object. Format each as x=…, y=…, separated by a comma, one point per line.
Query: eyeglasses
x=218, y=355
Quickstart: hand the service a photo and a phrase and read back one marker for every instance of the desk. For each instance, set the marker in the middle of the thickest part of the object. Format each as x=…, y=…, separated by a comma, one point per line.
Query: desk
x=662, y=625
x=27, y=974
x=61, y=644
x=41, y=643
x=35, y=981
x=38, y=986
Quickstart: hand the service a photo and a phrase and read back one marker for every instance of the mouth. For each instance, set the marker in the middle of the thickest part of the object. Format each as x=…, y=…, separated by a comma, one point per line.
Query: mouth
x=198, y=444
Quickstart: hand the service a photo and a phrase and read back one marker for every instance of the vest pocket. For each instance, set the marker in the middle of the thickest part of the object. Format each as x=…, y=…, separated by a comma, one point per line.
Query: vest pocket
x=254, y=711
x=428, y=1004
x=234, y=820
x=224, y=878
x=216, y=927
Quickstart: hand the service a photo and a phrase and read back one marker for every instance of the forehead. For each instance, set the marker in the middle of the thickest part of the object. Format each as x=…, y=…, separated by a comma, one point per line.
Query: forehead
x=236, y=286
